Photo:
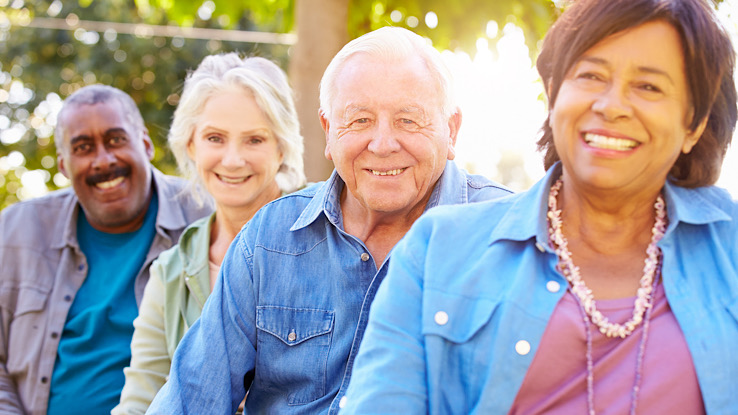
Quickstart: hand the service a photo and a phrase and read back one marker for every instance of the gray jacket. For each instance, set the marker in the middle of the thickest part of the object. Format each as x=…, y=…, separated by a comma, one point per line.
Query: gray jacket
x=41, y=269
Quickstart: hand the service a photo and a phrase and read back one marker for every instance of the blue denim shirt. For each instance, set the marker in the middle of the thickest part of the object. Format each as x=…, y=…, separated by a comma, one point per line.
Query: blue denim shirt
x=289, y=308
x=470, y=290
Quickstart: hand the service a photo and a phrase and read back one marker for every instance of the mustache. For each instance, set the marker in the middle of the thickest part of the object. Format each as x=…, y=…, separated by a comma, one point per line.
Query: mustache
x=108, y=175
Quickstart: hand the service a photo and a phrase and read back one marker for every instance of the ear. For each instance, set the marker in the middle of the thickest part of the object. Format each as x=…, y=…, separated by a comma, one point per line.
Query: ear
x=148, y=144
x=325, y=124
x=692, y=137
x=190, y=150
x=454, y=124
x=61, y=164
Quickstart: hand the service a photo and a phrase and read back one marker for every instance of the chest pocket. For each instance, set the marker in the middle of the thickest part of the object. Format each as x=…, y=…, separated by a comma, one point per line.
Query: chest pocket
x=24, y=308
x=292, y=351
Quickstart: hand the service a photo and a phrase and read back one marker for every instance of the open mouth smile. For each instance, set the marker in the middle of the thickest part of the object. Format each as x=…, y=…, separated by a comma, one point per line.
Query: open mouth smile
x=610, y=143
x=110, y=183
x=232, y=180
x=393, y=172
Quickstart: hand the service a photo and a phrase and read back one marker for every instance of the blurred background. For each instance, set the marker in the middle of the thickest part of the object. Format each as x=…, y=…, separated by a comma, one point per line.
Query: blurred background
x=49, y=49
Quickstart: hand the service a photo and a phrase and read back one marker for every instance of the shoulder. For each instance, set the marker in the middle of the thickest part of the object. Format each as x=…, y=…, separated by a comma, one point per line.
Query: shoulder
x=175, y=195
x=464, y=223
x=275, y=226
x=49, y=204
x=195, y=239
x=42, y=215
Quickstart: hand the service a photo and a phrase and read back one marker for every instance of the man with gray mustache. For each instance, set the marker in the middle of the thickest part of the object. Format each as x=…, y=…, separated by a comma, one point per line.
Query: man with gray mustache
x=75, y=262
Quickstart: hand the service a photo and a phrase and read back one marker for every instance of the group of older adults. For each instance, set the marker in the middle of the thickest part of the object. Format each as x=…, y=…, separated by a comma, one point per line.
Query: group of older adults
x=611, y=286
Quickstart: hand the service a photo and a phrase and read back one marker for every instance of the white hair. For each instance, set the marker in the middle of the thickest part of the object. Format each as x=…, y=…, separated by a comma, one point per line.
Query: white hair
x=391, y=43
x=272, y=93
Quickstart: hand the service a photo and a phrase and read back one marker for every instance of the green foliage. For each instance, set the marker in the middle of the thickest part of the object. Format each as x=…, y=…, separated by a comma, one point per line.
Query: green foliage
x=44, y=66
x=459, y=23
x=47, y=65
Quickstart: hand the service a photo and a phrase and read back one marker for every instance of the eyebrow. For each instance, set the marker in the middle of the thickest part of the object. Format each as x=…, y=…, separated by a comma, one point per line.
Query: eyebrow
x=85, y=137
x=207, y=129
x=643, y=69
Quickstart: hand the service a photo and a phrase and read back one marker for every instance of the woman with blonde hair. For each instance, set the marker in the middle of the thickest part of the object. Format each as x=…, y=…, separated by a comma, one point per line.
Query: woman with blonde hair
x=236, y=136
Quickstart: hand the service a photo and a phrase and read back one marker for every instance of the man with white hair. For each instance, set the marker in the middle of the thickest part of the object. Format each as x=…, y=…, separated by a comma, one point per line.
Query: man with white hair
x=288, y=312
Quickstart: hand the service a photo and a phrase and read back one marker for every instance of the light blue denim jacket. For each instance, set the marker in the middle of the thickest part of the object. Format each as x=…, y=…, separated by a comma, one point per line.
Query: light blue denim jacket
x=470, y=288
x=289, y=308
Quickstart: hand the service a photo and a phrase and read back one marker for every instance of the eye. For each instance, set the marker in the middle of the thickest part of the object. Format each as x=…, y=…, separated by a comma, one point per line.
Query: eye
x=117, y=140
x=82, y=148
x=407, y=121
x=361, y=121
x=214, y=139
x=256, y=139
x=649, y=87
x=589, y=76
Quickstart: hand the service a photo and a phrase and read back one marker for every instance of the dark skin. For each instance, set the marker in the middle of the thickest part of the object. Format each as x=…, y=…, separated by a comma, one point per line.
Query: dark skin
x=107, y=159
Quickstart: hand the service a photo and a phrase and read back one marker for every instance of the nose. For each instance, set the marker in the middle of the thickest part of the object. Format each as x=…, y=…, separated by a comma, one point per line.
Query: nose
x=383, y=141
x=104, y=158
x=233, y=157
x=613, y=103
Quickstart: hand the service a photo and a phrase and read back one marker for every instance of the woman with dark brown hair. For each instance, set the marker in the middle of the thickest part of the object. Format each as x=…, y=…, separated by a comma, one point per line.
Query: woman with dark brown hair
x=611, y=286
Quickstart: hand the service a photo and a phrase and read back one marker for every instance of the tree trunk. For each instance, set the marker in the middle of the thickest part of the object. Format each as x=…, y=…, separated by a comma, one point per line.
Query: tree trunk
x=321, y=32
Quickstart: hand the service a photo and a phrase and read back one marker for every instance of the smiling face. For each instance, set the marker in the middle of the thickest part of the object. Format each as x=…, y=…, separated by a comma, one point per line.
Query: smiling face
x=622, y=113
x=235, y=152
x=106, y=157
x=387, y=135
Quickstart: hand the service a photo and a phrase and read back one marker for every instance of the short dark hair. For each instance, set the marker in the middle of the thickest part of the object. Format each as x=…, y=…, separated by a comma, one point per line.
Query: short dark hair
x=709, y=59
x=96, y=94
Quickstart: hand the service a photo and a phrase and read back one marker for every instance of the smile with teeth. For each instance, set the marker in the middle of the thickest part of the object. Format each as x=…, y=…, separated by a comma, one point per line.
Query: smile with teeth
x=110, y=183
x=609, y=143
x=394, y=172
x=232, y=180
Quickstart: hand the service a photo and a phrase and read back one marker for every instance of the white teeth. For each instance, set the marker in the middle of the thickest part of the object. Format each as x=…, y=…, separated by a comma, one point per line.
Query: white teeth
x=232, y=180
x=110, y=183
x=394, y=172
x=609, y=143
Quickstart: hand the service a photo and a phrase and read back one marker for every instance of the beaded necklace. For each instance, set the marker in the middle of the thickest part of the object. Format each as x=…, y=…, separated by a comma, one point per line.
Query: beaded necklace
x=643, y=303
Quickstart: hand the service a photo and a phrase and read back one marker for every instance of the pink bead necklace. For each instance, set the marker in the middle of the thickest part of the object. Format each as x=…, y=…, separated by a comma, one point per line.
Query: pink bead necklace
x=643, y=303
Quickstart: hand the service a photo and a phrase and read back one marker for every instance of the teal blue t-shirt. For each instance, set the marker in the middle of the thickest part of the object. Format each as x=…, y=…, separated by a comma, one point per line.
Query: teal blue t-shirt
x=95, y=344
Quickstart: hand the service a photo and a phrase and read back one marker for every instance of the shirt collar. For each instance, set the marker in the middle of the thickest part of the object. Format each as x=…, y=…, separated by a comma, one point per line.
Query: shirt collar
x=451, y=188
x=526, y=217
x=168, y=217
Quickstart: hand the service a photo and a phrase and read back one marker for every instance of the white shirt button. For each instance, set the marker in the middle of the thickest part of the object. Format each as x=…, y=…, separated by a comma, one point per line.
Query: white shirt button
x=292, y=336
x=364, y=257
x=342, y=402
x=522, y=347
x=553, y=286
x=540, y=247
x=441, y=318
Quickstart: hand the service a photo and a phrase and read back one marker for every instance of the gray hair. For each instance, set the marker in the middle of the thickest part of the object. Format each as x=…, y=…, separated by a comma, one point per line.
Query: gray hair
x=97, y=94
x=272, y=93
x=391, y=43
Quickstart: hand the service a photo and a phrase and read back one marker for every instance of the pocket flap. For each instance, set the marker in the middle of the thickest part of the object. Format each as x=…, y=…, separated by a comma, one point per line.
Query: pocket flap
x=23, y=300
x=294, y=325
x=455, y=317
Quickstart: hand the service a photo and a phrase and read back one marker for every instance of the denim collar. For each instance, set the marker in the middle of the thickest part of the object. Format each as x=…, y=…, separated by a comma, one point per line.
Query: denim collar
x=450, y=189
x=526, y=217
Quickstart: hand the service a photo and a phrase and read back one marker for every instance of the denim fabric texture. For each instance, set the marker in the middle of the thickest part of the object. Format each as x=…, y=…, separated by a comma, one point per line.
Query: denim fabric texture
x=455, y=325
x=289, y=309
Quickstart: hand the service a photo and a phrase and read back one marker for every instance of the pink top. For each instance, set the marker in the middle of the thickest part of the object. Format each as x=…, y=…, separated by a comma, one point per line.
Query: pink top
x=556, y=382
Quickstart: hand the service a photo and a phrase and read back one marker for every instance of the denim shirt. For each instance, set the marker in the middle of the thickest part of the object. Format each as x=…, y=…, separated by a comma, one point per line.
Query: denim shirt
x=470, y=290
x=288, y=311
x=43, y=267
